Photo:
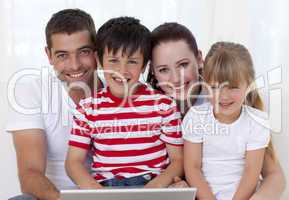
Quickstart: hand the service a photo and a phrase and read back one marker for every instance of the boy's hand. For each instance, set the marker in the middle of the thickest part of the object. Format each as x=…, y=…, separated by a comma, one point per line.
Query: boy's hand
x=179, y=183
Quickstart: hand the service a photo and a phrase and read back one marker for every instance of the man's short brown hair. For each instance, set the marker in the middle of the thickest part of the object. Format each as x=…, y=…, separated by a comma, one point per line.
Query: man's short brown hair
x=69, y=21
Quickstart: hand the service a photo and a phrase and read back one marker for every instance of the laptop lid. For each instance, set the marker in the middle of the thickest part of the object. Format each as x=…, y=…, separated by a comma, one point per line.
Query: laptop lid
x=130, y=194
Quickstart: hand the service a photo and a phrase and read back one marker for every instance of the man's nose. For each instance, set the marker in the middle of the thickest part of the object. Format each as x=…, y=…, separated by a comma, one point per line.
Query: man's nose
x=75, y=62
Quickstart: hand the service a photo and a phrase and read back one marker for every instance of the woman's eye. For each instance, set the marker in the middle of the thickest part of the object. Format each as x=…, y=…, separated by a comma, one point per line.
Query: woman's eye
x=163, y=70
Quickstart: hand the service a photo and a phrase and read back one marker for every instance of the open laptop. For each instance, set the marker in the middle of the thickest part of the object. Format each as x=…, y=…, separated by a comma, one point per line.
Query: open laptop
x=130, y=194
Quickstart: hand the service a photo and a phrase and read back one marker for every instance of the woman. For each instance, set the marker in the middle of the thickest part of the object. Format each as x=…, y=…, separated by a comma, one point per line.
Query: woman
x=176, y=70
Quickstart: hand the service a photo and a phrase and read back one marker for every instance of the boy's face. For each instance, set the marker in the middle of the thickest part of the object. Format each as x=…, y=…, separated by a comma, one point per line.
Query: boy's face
x=73, y=56
x=122, y=71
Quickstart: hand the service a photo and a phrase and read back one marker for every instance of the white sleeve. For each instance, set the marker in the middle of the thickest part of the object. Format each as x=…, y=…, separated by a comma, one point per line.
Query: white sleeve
x=191, y=127
x=24, y=106
x=259, y=136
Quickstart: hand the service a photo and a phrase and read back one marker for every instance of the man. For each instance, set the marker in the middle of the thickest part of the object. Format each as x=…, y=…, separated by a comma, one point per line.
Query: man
x=41, y=139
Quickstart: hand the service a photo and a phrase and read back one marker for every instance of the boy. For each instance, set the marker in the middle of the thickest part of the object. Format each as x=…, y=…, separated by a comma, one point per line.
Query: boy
x=132, y=130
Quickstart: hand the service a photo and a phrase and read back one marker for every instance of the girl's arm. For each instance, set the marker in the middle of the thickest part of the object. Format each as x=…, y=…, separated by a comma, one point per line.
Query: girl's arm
x=253, y=165
x=274, y=181
x=76, y=170
x=193, y=165
x=174, y=169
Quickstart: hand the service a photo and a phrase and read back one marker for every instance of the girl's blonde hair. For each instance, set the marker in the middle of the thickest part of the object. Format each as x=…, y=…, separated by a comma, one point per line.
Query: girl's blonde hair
x=232, y=63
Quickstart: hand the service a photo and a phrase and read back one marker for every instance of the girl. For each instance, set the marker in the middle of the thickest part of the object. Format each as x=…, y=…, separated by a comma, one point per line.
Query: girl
x=175, y=54
x=225, y=139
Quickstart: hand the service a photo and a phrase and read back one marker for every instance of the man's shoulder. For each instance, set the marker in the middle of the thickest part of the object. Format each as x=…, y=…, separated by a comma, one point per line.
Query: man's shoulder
x=29, y=82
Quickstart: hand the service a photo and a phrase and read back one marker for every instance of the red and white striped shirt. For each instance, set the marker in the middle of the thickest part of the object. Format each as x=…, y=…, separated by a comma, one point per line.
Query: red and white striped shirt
x=127, y=136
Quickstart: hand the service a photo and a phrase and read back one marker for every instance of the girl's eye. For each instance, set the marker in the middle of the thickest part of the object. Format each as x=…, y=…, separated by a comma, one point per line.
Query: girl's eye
x=233, y=87
x=184, y=64
x=214, y=87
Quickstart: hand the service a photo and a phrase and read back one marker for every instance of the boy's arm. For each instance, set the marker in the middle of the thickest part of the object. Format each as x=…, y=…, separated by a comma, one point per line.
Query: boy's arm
x=274, y=181
x=174, y=169
x=77, y=171
x=253, y=165
x=193, y=165
x=31, y=149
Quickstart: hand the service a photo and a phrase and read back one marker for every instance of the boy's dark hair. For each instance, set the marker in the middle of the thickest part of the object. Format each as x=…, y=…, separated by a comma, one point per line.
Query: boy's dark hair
x=126, y=33
x=69, y=21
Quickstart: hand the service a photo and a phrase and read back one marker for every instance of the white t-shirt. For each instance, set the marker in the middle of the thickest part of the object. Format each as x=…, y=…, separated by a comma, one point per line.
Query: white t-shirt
x=52, y=107
x=225, y=145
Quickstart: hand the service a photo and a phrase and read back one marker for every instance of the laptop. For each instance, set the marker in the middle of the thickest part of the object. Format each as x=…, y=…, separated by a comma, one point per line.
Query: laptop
x=130, y=194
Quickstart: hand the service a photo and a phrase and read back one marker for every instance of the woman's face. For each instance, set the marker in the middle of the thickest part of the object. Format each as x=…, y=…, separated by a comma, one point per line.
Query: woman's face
x=176, y=69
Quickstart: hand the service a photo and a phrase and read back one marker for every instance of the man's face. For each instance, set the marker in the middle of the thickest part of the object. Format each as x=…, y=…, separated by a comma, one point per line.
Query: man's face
x=73, y=56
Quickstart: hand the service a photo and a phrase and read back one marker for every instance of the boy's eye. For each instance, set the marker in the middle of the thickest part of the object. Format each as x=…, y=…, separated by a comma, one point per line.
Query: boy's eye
x=113, y=60
x=133, y=62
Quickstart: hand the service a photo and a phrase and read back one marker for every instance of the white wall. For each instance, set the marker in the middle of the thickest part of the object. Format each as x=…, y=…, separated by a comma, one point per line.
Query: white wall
x=262, y=25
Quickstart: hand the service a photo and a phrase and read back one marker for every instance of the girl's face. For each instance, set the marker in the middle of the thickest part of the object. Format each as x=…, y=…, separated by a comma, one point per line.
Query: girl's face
x=176, y=69
x=227, y=101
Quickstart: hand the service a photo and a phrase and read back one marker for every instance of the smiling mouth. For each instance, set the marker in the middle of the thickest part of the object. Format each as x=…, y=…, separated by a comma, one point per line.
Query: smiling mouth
x=181, y=87
x=121, y=80
x=226, y=104
x=77, y=75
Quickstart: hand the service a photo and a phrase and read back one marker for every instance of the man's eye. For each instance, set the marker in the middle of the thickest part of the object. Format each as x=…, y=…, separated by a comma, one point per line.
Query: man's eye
x=85, y=52
x=61, y=56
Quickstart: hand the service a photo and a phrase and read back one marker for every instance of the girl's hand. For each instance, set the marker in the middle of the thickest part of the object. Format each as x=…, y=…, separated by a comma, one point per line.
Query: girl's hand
x=179, y=183
x=258, y=197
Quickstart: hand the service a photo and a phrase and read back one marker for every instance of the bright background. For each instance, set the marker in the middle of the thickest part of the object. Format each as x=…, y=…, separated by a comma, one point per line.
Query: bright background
x=261, y=25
